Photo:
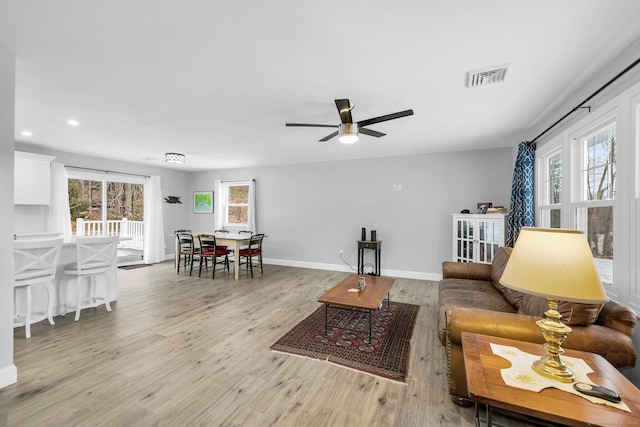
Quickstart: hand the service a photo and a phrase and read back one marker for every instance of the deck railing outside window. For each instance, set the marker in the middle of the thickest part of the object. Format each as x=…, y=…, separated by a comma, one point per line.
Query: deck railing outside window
x=132, y=230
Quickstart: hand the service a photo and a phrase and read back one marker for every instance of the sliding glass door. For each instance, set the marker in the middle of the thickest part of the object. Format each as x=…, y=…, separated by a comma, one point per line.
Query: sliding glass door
x=104, y=205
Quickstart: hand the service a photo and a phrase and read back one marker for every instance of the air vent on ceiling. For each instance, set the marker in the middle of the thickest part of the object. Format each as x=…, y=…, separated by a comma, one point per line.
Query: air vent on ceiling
x=487, y=76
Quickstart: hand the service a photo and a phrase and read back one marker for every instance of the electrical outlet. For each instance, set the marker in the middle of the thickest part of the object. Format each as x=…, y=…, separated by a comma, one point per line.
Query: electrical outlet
x=341, y=252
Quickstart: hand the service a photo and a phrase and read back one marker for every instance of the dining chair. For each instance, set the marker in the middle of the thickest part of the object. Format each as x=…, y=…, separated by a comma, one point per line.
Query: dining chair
x=186, y=251
x=249, y=232
x=222, y=231
x=219, y=255
x=254, y=250
x=35, y=263
x=95, y=257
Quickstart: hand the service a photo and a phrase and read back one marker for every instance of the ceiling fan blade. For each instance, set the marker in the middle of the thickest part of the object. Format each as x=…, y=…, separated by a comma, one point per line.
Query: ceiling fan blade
x=308, y=125
x=328, y=137
x=385, y=118
x=372, y=132
x=344, y=109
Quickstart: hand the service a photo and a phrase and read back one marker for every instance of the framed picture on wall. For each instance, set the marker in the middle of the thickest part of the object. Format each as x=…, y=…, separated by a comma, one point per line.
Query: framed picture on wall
x=203, y=202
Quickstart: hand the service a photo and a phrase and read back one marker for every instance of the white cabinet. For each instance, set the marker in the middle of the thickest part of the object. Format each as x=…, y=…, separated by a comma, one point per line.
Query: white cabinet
x=476, y=238
x=32, y=179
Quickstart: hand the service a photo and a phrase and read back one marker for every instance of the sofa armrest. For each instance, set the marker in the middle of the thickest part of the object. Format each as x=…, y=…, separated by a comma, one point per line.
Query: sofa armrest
x=612, y=344
x=617, y=316
x=487, y=322
x=466, y=270
x=494, y=323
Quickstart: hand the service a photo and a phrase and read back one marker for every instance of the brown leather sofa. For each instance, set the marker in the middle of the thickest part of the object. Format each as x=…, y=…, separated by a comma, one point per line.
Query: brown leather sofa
x=472, y=300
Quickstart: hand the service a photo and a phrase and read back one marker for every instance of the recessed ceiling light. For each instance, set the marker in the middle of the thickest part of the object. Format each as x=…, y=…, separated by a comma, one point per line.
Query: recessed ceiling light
x=26, y=133
x=73, y=122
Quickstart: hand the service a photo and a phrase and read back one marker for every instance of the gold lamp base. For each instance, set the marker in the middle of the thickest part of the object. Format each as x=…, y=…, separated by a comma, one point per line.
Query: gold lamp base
x=554, y=333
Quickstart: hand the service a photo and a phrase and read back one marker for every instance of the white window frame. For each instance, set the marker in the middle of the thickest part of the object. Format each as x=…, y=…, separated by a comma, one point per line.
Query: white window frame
x=579, y=204
x=633, y=207
x=224, y=206
x=103, y=177
x=544, y=207
x=624, y=109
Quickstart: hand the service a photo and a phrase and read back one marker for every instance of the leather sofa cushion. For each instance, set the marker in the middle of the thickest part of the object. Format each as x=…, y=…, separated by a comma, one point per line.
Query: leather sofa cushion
x=477, y=294
x=573, y=313
x=472, y=294
x=500, y=260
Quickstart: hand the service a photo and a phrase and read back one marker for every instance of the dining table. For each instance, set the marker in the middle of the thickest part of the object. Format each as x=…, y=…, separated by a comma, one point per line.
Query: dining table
x=232, y=241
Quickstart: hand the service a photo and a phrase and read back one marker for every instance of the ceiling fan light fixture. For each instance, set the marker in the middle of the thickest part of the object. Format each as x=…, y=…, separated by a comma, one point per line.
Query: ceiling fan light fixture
x=348, y=133
x=174, y=157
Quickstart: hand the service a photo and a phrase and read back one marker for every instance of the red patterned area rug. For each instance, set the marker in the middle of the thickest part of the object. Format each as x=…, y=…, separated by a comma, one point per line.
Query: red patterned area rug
x=387, y=355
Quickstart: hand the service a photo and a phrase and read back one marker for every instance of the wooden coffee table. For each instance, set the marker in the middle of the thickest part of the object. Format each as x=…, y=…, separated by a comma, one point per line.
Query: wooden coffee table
x=363, y=302
x=486, y=386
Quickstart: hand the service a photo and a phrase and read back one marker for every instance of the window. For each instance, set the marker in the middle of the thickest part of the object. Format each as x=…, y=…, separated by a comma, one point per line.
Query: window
x=600, y=188
x=237, y=205
x=98, y=210
x=107, y=207
x=550, y=203
x=85, y=202
x=594, y=208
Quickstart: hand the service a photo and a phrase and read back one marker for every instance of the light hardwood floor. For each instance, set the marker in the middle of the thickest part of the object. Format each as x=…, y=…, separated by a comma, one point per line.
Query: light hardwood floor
x=179, y=350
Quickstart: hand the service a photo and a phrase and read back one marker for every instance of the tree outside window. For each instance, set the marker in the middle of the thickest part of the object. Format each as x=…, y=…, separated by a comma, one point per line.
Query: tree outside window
x=123, y=200
x=238, y=204
x=549, y=206
x=554, y=188
x=599, y=184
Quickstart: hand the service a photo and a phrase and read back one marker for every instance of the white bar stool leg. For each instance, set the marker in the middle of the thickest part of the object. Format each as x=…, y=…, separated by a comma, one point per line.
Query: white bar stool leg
x=52, y=293
x=106, y=292
x=27, y=325
x=77, y=298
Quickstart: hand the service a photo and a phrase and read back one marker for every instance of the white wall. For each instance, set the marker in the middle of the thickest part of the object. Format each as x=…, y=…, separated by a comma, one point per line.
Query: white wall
x=568, y=101
x=8, y=373
x=311, y=211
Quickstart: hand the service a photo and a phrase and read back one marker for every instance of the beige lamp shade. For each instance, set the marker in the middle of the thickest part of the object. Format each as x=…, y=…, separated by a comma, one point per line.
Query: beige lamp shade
x=554, y=263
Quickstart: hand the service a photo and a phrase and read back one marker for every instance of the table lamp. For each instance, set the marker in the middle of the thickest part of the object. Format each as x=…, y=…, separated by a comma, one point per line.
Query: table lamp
x=556, y=264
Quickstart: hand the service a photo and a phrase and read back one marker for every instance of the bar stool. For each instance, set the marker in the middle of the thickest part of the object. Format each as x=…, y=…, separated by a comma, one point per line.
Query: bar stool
x=35, y=263
x=96, y=256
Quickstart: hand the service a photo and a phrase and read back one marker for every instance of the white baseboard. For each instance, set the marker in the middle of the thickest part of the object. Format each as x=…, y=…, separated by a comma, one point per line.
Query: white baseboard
x=8, y=375
x=341, y=267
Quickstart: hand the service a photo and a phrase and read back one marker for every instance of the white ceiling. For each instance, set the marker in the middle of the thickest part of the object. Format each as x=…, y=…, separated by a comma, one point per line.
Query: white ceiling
x=218, y=80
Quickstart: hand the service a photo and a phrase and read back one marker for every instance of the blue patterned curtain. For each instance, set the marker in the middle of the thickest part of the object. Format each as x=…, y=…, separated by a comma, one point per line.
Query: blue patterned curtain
x=521, y=210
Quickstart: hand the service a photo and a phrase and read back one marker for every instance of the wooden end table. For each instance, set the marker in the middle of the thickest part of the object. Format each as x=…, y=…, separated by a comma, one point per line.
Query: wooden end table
x=364, y=302
x=486, y=386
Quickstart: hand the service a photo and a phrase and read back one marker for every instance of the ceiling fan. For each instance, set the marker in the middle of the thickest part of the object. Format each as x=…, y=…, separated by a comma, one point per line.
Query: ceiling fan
x=348, y=130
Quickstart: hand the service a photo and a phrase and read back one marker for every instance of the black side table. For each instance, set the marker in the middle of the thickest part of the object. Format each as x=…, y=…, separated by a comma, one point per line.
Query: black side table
x=373, y=245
